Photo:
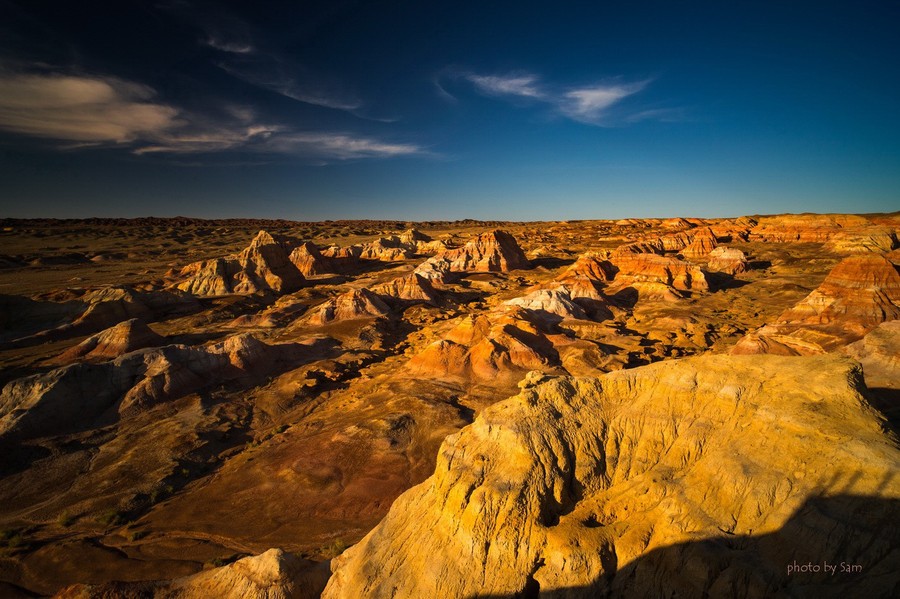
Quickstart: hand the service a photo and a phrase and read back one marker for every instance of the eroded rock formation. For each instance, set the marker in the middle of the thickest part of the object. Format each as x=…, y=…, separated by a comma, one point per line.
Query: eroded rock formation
x=861, y=292
x=111, y=343
x=495, y=251
x=70, y=397
x=701, y=476
x=731, y=261
x=356, y=303
x=263, y=265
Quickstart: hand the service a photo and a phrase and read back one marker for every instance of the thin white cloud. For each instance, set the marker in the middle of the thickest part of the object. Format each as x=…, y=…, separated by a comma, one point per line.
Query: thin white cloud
x=507, y=85
x=596, y=104
x=341, y=146
x=89, y=111
x=268, y=73
x=275, y=140
x=592, y=104
x=81, y=108
x=233, y=47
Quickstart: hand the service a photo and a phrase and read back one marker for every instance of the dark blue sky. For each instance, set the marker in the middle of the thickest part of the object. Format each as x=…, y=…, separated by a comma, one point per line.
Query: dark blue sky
x=446, y=110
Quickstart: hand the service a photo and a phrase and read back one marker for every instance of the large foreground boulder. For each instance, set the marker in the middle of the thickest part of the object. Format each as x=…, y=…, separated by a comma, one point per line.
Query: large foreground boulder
x=711, y=476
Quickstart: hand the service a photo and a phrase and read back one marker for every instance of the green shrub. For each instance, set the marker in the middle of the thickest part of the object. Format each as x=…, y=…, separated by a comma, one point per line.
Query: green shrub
x=333, y=549
x=112, y=517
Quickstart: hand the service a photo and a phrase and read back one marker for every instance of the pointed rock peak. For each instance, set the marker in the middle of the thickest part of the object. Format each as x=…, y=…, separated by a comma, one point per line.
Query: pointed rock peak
x=412, y=287
x=495, y=251
x=307, y=247
x=263, y=238
x=356, y=303
x=125, y=337
x=412, y=236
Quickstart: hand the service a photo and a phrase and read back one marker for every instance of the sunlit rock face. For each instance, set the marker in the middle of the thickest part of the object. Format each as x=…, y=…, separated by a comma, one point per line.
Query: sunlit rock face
x=708, y=475
x=492, y=251
x=731, y=261
x=127, y=336
x=861, y=292
x=263, y=265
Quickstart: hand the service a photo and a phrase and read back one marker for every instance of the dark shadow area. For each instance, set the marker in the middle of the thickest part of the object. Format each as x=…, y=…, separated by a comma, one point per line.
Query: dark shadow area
x=197, y=338
x=759, y=264
x=719, y=281
x=855, y=536
x=17, y=457
x=326, y=280
x=466, y=413
x=595, y=309
x=626, y=298
x=551, y=263
x=886, y=401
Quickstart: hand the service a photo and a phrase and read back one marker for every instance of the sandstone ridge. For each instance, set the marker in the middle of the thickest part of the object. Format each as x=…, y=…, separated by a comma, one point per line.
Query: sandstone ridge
x=699, y=476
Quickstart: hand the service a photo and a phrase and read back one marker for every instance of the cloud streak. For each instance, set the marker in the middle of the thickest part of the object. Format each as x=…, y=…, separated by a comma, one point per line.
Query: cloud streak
x=597, y=104
x=509, y=85
x=268, y=73
x=592, y=104
x=232, y=47
x=92, y=111
x=81, y=109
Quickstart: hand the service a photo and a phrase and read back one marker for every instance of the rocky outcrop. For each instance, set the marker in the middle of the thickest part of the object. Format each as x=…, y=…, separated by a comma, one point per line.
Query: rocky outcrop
x=411, y=288
x=356, y=303
x=728, y=260
x=589, y=272
x=264, y=265
x=307, y=258
x=80, y=395
x=879, y=354
x=111, y=343
x=550, y=302
x=421, y=243
x=500, y=346
x=386, y=249
x=494, y=251
x=705, y=476
x=655, y=277
x=270, y=575
x=94, y=311
x=843, y=233
x=702, y=243
x=861, y=292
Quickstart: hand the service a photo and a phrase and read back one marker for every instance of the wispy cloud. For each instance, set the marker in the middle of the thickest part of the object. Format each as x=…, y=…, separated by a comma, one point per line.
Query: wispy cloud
x=81, y=108
x=597, y=104
x=270, y=73
x=592, y=104
x=275, y=140
x=231, y=46
x=89, y=111
x=508, y=85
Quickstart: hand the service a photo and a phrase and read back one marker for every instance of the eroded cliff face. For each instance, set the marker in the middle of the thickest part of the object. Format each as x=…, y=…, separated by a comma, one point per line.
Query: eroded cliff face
x=701, y=476
x=860, y=293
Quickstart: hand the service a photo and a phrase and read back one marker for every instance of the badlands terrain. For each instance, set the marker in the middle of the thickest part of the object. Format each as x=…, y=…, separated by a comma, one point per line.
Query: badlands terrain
x=638, y=408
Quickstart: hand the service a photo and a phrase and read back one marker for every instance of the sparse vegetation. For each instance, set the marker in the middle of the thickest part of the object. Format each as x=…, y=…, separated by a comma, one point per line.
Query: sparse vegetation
x=112, y=517
x=66, y=519
x=333, y=549
x=11, y=539
x=135, y=535
x=160, y=493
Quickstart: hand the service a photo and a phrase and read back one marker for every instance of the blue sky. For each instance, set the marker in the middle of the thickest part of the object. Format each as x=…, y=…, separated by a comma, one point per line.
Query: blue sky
x=447, y=110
